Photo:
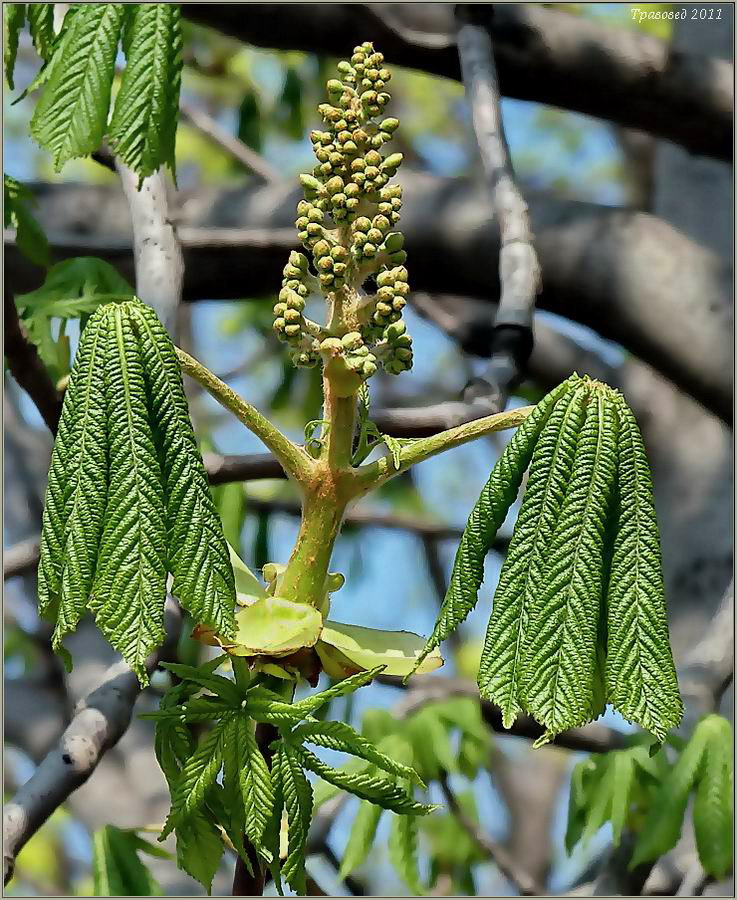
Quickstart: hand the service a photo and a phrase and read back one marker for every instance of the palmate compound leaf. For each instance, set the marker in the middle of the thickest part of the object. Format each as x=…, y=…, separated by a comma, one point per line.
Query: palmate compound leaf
x=71, y=114
x=104, y=542
x=144, y=121
x=640, y=674
x=199, y=557
x=559, y=663
x=129, y=590
x=491, y=509
x=521, y=575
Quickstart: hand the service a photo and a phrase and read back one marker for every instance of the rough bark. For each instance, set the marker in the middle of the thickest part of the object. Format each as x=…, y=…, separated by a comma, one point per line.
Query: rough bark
x=544, y=55
x=629, y=275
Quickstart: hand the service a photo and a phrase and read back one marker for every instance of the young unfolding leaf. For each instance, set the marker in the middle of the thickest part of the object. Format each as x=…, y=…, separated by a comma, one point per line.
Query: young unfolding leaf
x=298, y=802
x=253, y=781
x=640, y=674
x=129, y=588
x=374, y=788
x=144, y=121
x=311, y=704
x=559, y=663
x=200, y=849
x=341, y=737
x=217, y=684
x=485, y=520
x=29, y=236
x=114, y=522
x=611, y=787
x=522, y=573
x=116, y=867
x=76, y=495
x=41, y=26
x=198, y=774
x=706, y=760
x=713, y=811
x=199, y=558
x=403, y=851
x=14, y=17
x=71, y=116
x=361, y=838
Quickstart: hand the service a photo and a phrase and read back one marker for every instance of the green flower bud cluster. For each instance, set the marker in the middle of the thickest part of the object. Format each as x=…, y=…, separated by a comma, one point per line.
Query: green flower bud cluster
x=289, y=322
x=396, y=350
x=391, y=296
x=347, y=220
x=348, y=360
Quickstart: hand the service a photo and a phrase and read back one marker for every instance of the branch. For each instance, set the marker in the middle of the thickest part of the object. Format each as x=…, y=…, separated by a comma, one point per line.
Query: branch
x=26, y=367
x=158, y=256
x=708, y=669
x=508, y=866
x=294, y=460
x=369, y=477
x=226, y=141
x=250, y=467
x=99, y=722
x=683, y=330
x=542, y=54
x=21, y=558
x=593, y=738
x=519, y=270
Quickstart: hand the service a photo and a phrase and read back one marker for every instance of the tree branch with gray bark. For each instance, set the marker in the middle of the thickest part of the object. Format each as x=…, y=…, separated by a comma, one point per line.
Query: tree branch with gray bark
x=519, y=270
x=633, y=278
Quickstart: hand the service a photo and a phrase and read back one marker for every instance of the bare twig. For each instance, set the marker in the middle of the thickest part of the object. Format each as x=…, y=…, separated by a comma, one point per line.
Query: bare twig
x=593, y=738
x=519, y=271
x=98, y=724
x=158, y=255
x=26, y=367
x=509, y=867
x=20, y=558
x=236, y=148
x=709, y=667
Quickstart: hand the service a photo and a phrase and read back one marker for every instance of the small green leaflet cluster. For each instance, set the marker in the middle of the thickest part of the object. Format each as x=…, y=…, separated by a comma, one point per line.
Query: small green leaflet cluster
x=442, y=737
x=71, y=118
x=617, y=787
x=29, y=236
x=648, y=796
x=73, y=289
x=255, y=796
x=117, y=869
x=579, y=617
x=705, y=768
x=128, y=499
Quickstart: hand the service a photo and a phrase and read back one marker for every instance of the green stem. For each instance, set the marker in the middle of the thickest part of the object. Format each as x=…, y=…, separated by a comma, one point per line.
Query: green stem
x=368, y=478
x=340, y=416
x=296, y=463
x=322, y=517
